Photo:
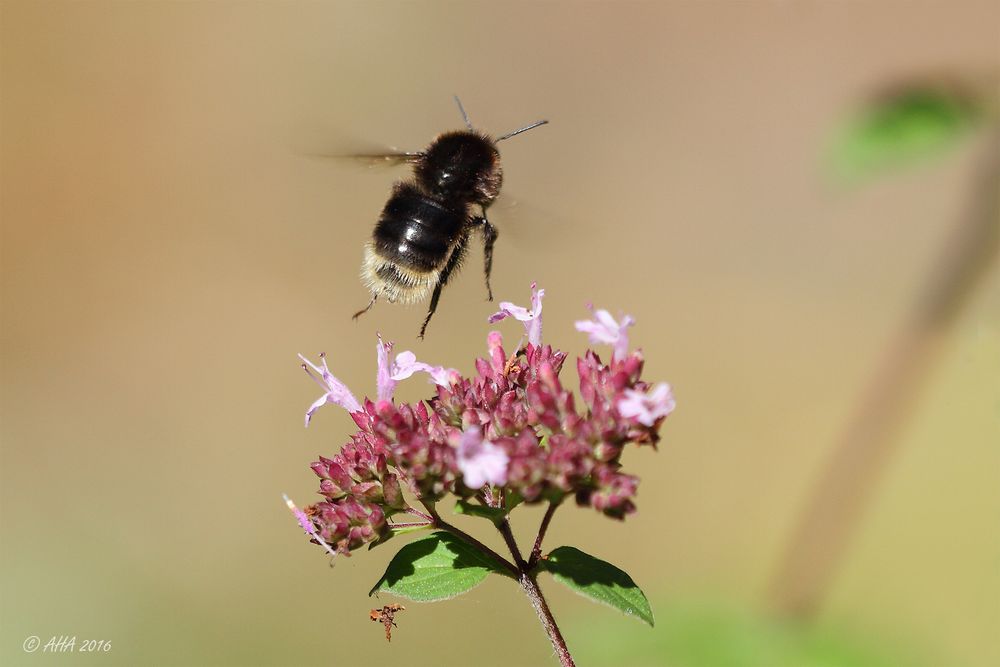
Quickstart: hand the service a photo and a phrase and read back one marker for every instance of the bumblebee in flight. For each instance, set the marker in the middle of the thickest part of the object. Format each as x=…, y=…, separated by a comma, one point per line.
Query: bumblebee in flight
x=422, y=234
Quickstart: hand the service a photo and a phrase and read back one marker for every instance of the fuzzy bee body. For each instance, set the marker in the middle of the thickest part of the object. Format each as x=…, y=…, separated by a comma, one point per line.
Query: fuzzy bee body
x=415, y=238
x=422, y=234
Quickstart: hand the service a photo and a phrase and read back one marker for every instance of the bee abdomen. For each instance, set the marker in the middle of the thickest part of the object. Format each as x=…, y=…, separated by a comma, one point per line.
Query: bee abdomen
x=395, y=282
x=415, y=231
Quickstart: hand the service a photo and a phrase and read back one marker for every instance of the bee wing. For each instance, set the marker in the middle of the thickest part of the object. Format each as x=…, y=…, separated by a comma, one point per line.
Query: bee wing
x=524, y=223
x=391, y=159
x=377, y=157
x=510, y=216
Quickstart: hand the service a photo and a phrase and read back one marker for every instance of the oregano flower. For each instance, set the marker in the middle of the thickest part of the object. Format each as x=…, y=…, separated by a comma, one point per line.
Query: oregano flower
x=515, y=430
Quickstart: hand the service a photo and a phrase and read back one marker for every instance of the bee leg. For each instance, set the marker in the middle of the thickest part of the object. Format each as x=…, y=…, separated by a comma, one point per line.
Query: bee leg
x=489, y=238
x=366, y=308
x=453, y=262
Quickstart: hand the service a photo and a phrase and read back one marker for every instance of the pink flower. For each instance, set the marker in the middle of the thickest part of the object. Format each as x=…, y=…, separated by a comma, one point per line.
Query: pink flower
x=304, y=521
x=388, y=375
x=604, y=329
x=645, y=408
x=336, y=391
x=404, y=366
x=480, y=461
x=307, y=524
x=546, y=443
x=532, y=319
x=383, y=377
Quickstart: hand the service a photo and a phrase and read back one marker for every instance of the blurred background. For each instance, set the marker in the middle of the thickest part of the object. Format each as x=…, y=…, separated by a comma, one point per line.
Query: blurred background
x=171, y=240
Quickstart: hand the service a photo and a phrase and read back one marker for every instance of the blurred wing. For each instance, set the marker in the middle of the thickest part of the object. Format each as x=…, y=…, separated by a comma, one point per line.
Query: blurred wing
x=385, y=159
x=375, y=158
x=530, y=225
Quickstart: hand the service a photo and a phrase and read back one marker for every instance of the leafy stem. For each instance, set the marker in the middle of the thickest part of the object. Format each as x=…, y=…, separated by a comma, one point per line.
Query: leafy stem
x=508, y=537
x=530, y=586
x=461, y=534
x=521, y=571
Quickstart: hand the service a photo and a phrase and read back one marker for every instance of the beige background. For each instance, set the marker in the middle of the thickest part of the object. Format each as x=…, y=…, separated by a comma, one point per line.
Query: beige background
x=169, y=245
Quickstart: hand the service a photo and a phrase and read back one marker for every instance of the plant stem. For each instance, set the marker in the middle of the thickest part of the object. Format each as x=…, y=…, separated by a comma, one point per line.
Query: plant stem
x=415, y=512
x=411, y=525
x=508, y=537
x=829, y=522
x=458, y=532
x=521, y=572
x=530, y=586
x=479, y=545
x=536, y=552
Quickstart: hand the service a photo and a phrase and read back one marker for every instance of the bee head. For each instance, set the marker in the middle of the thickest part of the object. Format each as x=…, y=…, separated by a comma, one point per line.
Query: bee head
x=461, y=167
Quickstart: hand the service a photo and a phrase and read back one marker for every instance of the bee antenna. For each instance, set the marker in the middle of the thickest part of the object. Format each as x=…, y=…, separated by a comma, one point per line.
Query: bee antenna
x=523, y=129
x=465, y=116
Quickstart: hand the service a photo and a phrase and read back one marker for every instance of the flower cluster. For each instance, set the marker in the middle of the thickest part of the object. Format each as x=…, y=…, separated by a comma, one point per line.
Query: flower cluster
x=510, y=433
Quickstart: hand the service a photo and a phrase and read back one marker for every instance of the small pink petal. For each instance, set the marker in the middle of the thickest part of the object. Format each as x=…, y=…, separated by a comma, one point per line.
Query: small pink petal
x=336, y=391
x=605, y=330
x=480, y=461
x=444, y=376
x=405, y=366
x=647, y=408
x=494, y=341
x=532, y=319
x=508, y=309
x=307, y=525
x=385, y=383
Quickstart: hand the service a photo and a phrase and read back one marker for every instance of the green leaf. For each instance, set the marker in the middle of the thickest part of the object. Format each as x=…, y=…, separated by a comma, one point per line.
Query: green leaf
x=513, y=500
x=908, y=125
x=598, y=580
x=494, y=514
x=437, y=567
x=402, y=530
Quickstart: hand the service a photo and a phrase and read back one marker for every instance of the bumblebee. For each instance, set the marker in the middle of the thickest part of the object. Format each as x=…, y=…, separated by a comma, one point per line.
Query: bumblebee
x=422, y=234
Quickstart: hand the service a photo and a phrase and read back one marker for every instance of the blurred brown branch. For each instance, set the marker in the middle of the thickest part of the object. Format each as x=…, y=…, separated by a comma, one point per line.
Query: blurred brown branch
x=832, y=514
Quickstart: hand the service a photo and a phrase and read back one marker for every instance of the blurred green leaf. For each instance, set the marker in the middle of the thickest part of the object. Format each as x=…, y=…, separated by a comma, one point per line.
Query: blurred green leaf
x=494, y=514
x=908, y=125
x=598, y=580
x=437, y=567
x=701, y=634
